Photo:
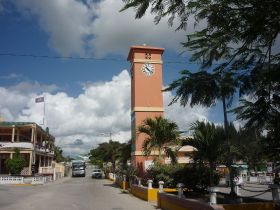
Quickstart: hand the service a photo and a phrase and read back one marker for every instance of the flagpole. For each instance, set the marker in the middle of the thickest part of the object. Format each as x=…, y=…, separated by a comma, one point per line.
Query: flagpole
x=40, y=100
x=44, y=110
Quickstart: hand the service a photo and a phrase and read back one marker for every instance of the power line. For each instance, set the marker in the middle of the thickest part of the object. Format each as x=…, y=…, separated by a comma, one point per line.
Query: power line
x=59, y=57
x=85, y=58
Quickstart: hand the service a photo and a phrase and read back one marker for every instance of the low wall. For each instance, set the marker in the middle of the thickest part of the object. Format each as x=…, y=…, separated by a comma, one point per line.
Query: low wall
x=111, y=176
x=140, y=192
x=144, y=193
x=122, y=184
x=118, y=182
x=251, y=206
x=11, y=180
x=125, y=185
x=170, y=202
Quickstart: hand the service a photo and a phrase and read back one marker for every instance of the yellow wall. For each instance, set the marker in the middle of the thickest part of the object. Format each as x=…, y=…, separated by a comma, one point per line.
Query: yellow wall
x=152, y=195
x=125, y=185
x=144, y=193
x=139, y=192
x=122, y=184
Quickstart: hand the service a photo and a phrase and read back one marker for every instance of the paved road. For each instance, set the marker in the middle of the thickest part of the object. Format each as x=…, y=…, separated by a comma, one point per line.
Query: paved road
x=250, y=189
x=70, y=194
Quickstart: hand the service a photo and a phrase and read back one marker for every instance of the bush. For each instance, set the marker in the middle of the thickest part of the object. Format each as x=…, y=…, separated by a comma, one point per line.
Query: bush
x=165, y=173
x=195, y=178
x=16, y=164
x=130, y=172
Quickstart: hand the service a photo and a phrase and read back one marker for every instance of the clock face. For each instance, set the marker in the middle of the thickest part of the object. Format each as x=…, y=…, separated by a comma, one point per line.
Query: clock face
x=148, y=69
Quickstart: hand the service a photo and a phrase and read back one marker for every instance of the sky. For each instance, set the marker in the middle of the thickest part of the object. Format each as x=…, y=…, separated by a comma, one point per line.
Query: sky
x=85, y=99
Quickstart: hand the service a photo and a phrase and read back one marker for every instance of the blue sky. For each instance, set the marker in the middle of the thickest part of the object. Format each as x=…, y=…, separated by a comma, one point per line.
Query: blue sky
x=76, y=90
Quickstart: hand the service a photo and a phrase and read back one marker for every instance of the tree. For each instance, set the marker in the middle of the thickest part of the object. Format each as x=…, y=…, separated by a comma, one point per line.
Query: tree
x=58, y=154
x=125, y=152
x=107, y=152
x=203, y=88
x=240, y=36
x=249, y=143
x=160, y=135
x=16, y=164
x=208, y=141
x=262, y=110
x=271, y=143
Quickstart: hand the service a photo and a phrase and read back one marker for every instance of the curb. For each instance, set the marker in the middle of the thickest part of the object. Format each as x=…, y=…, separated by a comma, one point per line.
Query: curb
x=22, y=185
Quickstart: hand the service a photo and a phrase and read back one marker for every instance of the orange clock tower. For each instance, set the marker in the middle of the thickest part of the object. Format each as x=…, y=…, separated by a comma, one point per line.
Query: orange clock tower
x=146, y=96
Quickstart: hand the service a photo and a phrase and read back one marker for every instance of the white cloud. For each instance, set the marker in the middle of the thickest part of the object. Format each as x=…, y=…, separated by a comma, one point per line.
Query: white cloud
x=67, y=22
x=97, y=27
x=114, y=32
x=183, y=116
x=33, y=88
x=102, y=108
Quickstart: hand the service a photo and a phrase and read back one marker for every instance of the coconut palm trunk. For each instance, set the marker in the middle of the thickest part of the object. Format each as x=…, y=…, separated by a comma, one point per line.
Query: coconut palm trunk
x=229, y=161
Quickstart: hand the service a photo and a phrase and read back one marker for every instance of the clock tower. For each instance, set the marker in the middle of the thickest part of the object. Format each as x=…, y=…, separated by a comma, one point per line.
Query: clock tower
x=146, y=96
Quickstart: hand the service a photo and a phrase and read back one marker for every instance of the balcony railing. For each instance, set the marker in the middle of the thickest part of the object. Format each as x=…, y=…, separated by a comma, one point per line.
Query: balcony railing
x=27, y=145
x=45, y=170
x=44, y=149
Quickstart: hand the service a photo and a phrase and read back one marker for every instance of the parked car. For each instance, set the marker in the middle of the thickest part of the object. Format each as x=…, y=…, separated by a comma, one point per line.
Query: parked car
x=97, y=173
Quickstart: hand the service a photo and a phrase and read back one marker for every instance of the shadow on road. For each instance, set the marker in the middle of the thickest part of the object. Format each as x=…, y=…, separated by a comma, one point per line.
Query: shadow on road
x=110, y=185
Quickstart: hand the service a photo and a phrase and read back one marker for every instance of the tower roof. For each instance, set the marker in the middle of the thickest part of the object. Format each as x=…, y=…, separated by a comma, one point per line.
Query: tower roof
x=134, y=48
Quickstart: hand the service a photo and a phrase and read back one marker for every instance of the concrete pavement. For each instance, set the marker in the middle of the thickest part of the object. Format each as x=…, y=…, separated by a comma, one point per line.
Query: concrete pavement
x=70, y=194
x=249, y=188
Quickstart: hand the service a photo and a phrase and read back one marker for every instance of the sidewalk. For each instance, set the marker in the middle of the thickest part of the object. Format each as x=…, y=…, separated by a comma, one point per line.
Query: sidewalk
x=258, y=188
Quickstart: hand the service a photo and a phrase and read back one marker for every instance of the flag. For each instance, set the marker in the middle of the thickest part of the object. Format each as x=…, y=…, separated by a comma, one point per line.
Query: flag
x=39, y=100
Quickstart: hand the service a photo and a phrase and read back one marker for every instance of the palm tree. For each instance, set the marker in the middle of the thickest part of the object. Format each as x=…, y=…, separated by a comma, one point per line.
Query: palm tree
x=208, y=141
x=161, y=135
x=204, y=88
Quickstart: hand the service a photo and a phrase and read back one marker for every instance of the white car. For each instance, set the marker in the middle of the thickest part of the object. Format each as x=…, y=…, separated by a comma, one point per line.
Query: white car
x=96, y=173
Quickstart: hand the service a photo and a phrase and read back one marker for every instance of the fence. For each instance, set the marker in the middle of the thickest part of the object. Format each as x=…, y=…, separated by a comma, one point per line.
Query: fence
x=11, y=180
x=25, y=180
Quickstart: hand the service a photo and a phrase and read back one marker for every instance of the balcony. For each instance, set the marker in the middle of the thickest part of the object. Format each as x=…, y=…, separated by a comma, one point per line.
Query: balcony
x=43, y=149
x=25, y=145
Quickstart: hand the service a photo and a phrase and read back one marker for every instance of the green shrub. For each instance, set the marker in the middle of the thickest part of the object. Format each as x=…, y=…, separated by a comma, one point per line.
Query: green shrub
x=162, y=172
x=130, y=172
x=195, y=178
x=16, y=164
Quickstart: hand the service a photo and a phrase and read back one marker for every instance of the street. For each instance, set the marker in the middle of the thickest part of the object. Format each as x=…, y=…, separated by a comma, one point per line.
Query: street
x=70, y=194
